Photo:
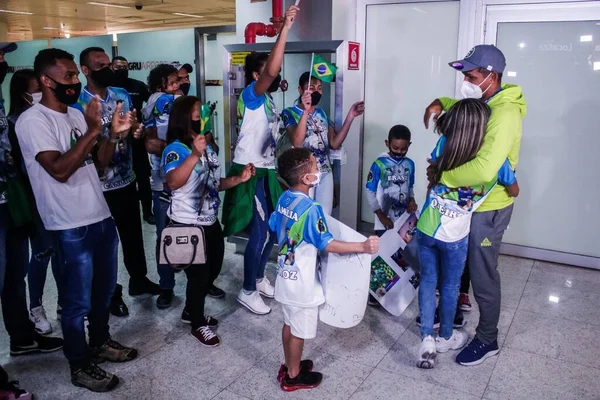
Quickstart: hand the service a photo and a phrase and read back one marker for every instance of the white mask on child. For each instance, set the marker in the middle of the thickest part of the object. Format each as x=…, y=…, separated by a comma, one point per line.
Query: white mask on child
x=315, y=183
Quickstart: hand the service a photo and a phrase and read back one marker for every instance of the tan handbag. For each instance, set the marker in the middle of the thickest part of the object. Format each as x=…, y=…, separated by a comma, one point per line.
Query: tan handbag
x=182, y=246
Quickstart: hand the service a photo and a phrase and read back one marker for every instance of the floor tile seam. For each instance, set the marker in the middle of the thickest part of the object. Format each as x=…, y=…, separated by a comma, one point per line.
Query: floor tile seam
x=594, y=325
x=552, y=358
x=362, y=383
x=435, y=383
x=230, y=385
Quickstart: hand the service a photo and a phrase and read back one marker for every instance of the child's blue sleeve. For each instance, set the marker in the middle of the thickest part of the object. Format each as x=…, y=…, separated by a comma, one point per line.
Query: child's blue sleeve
x=373, y=178
x=506, y=175
x=173, y=156
x=411, y=181
x=439, y=147
x=252, y=100
x=316, y=231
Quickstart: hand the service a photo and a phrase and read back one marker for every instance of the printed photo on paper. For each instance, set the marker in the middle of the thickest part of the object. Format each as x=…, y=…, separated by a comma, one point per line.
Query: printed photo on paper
x=383, y=277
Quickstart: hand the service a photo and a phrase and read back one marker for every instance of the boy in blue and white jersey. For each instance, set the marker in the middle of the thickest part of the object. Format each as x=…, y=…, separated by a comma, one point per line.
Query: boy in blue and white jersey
x=391, y=181
x=301, y=229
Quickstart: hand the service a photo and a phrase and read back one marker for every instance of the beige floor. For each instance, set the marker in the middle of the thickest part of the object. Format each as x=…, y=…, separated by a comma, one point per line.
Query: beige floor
x=548, y=348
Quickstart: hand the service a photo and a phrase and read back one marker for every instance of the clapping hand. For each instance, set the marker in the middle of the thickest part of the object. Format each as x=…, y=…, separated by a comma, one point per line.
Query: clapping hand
x=92, y=116
x=121, y=123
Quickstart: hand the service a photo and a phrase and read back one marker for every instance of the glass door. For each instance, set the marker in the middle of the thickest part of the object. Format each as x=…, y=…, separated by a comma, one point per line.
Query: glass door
x=553, y=52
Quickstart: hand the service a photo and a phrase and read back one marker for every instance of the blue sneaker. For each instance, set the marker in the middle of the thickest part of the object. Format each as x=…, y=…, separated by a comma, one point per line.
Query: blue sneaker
x=477, y=352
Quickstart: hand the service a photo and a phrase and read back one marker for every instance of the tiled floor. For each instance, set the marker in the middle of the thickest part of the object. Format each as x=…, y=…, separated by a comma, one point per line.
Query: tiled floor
x=549, y=322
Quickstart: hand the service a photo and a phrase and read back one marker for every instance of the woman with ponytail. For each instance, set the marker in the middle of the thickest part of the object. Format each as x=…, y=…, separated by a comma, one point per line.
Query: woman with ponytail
x=249, y=205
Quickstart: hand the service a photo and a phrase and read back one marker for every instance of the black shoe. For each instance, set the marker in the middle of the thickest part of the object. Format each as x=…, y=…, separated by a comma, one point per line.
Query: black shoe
x=165, y=299
x=304, y=380
x=373, y=301
x=118, y=308
x=150, y=220
x=186, y=318
x=215, y=292
x=39, y=344
x=459, y=320
x=94, y=378
x=145, y=286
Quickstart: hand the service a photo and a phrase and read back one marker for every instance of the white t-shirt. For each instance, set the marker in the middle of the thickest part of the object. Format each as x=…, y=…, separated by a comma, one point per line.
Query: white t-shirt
x=259, y=126
x=79, y=201
x=200, y=190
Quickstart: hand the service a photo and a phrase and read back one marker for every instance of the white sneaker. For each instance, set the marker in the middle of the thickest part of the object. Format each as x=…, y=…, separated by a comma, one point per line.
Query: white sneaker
x=253, y=302
x=38, y=317
x=458, y=340
x=427, y=353
x=265, y=288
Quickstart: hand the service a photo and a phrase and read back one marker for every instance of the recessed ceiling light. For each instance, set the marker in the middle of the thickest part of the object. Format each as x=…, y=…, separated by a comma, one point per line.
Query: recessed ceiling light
x=16, y=12
x=188, y=15
x=94, y=3
x=586, y=38
x=49, y=28
x=67, y=35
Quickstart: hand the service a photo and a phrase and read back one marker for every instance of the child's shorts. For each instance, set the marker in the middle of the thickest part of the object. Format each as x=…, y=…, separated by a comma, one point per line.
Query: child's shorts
x=301, y=320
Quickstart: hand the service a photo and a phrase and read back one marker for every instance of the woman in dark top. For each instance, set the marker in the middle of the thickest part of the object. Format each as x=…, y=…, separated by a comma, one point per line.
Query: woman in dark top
x=25, y=92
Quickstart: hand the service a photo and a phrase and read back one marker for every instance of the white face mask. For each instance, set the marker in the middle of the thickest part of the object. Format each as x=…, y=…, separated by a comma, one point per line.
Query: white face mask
x=315, y=183
x=471, y=91
x=36, y=97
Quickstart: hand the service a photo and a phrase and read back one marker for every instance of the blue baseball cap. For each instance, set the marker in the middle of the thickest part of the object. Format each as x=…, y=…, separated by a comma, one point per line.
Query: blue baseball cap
x=484, y=56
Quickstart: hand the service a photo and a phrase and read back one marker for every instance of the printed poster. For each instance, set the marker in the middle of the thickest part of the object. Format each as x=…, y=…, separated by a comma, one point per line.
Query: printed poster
x=345, y=280
x=394, y=282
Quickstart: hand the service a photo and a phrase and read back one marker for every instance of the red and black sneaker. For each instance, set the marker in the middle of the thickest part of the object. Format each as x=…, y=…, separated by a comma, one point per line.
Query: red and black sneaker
x=304, y=380
x=305, y=365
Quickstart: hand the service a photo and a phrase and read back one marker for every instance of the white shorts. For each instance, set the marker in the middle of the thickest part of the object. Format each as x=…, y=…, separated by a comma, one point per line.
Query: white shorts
x=301, y=320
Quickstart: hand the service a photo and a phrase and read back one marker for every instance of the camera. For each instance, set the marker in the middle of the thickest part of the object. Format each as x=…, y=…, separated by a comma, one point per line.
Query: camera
x=139, y=6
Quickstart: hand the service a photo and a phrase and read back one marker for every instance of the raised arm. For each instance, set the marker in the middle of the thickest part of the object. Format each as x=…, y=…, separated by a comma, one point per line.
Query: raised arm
x=337, y=139
x=178, y=172
x=297, y=132
x=275, y=59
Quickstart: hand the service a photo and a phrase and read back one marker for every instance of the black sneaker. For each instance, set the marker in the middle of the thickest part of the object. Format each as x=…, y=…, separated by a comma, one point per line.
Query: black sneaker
x=113, y=351
x=186, y=318
x=304, y=380
x=118, y=308
x=215, y=292
x=305, y=365
x=144, y=286
x=94, y=378
x=150, y=219
x=373, y=301
x=39, y=344
x=12, y=391
x=165, y=299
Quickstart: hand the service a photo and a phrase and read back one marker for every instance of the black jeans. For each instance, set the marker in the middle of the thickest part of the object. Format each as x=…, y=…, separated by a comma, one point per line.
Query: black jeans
x=125, y=209
x=141, y=167
x=201, y=277
x=14, y=254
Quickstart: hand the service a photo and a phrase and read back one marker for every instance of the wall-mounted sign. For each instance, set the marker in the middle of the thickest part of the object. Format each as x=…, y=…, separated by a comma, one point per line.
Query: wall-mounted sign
x=353, y=56
x=239, y=58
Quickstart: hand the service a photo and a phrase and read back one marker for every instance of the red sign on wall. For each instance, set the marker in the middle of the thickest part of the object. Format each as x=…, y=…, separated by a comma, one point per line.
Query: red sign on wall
x=353, y=56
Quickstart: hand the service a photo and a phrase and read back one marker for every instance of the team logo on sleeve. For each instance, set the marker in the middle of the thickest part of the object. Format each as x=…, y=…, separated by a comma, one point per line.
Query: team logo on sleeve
x=172, y=156
x=285, y=118
x=321, y=227
x=370, y=177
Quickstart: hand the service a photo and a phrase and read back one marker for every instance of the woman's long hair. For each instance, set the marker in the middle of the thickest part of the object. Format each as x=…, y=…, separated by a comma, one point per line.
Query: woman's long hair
x=180, y=120
x=464, y=127
x=19, y=84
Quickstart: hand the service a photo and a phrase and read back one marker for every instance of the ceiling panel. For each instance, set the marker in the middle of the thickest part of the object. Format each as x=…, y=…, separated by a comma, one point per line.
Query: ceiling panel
x=49, y=19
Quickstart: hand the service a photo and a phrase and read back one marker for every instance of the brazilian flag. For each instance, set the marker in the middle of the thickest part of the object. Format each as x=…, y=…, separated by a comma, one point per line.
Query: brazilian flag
x=323, y=70
x=205, y=119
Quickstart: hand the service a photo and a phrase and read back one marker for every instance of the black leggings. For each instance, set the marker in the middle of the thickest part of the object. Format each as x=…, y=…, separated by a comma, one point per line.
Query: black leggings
x=201, y=277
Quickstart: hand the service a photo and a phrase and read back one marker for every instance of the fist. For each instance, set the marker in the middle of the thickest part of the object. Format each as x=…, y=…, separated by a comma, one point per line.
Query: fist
x=371, y=245
x=248, y=172
x=306, y=100
x=357, y=109
x=290, y=16
x=199, y=145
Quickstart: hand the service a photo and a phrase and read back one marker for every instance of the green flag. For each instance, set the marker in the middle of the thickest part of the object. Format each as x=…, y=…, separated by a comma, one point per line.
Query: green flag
x=323, y=70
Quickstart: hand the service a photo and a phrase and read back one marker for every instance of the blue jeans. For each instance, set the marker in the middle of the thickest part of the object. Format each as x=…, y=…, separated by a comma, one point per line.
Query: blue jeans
x=260, y=241
x=447, y=259
x=87, y=280
x=160, y=208
x=42, y=252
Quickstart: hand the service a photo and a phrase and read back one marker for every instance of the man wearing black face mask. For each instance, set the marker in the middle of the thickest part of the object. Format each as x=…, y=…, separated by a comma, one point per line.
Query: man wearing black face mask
x=118, y=177
x=140, y=94
x=183, y=72
x=62, y=149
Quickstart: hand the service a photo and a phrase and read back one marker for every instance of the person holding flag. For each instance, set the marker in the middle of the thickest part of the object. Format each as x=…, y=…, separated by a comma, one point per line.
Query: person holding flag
x=308, y=126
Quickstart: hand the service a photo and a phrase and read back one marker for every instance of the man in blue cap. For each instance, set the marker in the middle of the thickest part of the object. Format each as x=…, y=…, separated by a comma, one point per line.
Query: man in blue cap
x=482, y=68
